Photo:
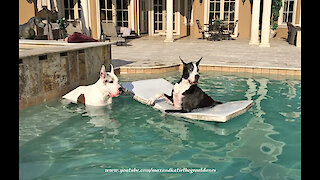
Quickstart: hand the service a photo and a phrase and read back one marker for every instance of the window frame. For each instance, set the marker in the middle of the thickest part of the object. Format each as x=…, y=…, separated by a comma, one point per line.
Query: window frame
x=176, y=18
x=207, y=12
x=76, y=10
x=121, y=10
x=282, y=24
x=106, y=9
x=222, y=10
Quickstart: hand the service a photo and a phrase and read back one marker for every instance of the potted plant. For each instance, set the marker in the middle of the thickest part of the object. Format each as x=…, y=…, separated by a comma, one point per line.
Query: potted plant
x=276, y=6
x=62, y=25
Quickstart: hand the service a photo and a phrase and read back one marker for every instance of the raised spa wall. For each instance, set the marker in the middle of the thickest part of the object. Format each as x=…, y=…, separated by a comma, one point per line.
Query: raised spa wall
x=48, y=76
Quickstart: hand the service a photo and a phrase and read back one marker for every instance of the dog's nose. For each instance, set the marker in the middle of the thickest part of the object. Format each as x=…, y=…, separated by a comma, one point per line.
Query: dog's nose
x=121, y=89
x=197, y=77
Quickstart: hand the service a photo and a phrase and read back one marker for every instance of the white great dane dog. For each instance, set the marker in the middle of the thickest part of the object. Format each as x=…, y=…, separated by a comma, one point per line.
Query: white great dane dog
x=97, y=94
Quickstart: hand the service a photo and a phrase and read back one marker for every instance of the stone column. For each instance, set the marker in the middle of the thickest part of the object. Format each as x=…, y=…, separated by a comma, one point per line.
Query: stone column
x=85, y=17
x=169, y=33
x=298, y=41
x=131, y=4
x=265, y=30
x=255, y=23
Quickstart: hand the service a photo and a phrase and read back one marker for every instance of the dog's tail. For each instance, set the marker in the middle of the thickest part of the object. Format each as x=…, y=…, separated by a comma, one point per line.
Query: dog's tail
x=216, y=103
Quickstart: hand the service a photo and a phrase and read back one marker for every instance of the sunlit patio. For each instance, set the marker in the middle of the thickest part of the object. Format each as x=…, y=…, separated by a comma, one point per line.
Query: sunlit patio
x=153, y=51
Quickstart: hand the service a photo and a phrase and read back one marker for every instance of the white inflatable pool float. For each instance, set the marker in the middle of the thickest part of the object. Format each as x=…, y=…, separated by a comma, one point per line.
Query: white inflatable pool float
x=144, y=89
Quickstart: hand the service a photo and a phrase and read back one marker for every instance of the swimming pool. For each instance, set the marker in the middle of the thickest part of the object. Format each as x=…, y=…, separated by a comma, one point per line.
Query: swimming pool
x=61, y=141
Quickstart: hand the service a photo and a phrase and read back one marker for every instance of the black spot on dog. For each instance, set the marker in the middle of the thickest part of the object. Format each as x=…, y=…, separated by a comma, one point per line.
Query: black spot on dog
x=187, y=69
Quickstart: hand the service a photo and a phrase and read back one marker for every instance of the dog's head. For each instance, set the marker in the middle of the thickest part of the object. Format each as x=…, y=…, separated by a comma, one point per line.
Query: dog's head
x=191, y=71
x=109, y=82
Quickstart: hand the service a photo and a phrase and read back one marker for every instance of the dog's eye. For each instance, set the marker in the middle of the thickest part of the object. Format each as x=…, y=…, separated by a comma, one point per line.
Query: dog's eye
x=111, y=82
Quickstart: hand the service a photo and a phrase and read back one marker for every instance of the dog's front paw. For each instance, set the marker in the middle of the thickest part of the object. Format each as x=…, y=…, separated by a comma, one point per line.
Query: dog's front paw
x=151, y=101
x=109, y=101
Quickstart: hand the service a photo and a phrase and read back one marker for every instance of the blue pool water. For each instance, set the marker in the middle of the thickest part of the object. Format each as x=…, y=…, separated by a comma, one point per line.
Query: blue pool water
x=68, y=141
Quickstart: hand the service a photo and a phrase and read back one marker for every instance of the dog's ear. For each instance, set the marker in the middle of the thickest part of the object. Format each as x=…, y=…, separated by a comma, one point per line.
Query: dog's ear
x=103, y=72
x=182, y=61
x=111, y=69
x=198, y=62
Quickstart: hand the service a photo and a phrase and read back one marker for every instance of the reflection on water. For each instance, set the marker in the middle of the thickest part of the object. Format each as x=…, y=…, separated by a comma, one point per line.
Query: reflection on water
x=253, y=139
x=35, y=121
x=256, y=136
x=100, y=117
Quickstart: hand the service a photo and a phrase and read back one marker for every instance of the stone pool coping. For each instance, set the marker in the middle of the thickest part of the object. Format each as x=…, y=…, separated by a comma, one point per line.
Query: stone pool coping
x=52, y=46
x=209, y=67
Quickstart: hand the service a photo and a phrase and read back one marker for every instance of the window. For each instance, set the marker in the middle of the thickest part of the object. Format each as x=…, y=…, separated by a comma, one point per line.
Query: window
x=222, y=10
x=122, y=13
x=72, y=9
x=229, y=10
x=214, y=12
x=288, y=11
x=114, y=11
x=158, y=7
x=160, y=14
x=106, y=10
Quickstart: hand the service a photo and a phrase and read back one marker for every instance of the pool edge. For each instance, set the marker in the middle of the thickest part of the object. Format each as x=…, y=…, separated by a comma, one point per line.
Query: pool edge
x=209, y=67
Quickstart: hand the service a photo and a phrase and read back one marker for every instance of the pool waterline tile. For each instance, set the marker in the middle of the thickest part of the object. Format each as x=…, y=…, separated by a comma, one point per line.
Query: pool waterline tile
x=179, y=67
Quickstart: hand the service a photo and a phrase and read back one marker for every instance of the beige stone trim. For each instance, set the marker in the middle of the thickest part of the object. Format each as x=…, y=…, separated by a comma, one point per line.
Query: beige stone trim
x=246, y=69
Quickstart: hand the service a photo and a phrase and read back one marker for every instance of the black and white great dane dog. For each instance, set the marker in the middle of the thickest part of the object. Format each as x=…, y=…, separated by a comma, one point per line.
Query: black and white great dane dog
x=186, y=95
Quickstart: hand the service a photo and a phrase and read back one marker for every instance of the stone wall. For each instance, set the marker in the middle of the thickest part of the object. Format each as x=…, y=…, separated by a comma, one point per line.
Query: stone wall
x=50, y=76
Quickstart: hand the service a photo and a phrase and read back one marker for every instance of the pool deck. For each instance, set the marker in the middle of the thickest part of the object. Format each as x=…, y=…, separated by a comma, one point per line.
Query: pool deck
x=151, y=52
